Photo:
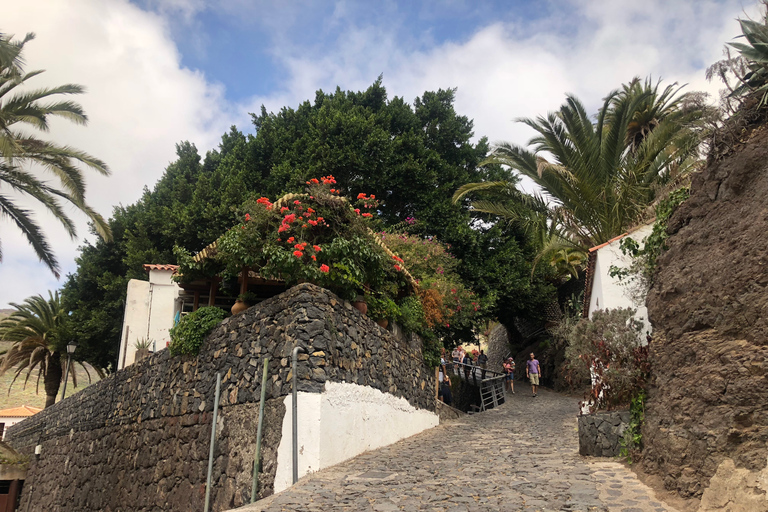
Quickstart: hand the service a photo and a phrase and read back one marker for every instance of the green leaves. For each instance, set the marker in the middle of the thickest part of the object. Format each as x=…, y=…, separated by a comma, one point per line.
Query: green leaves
x=189, y=334
x=32, y=109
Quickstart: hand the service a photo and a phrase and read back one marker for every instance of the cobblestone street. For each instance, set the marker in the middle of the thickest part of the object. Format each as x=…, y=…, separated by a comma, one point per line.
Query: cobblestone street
x=522, y=456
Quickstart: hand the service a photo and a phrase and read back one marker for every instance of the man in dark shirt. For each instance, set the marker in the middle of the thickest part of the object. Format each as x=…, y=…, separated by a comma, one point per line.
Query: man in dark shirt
x=482, y=361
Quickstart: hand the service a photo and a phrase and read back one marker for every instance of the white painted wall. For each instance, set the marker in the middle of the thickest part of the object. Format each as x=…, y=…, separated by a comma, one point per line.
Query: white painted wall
x=608, y=292
x=343, y=421
x=9, y=421
x=150, y=307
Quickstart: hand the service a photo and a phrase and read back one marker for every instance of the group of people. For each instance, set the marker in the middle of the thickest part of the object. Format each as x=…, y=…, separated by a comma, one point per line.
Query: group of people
x=532, y=372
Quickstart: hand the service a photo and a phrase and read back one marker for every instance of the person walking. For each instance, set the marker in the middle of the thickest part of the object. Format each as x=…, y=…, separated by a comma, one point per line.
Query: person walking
x=482, y=361
x=533, y=372
x=509, y=371
x=467, y=365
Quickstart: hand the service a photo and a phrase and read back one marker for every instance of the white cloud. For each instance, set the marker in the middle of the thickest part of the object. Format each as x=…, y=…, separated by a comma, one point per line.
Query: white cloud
x=139, y=99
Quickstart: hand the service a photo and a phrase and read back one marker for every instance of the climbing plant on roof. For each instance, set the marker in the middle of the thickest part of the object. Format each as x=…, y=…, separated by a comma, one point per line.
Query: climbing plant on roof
x=317, y=236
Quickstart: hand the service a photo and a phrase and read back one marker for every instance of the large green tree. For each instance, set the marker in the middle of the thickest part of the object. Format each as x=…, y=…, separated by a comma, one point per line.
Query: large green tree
x=411, y=156
x=25, y=156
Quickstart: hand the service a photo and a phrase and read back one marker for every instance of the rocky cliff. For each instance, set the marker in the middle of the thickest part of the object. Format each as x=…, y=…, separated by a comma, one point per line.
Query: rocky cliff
x=708, y=408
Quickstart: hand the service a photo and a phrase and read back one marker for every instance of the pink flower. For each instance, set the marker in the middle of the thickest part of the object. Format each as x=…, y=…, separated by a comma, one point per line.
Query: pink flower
x=324, y=268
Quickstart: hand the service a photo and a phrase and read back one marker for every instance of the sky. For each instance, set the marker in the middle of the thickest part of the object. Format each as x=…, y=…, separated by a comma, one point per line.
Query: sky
x=158, y=72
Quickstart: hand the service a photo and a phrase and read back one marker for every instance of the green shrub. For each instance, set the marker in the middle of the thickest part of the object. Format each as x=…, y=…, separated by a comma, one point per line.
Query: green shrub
x=188, y=335
x=411, y=317
x=380, y=308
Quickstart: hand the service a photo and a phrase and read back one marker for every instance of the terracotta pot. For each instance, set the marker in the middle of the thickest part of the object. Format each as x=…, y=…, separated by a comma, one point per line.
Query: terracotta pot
x=360, y=305
x=383, y=323
x=141, y=354
x=239, y=306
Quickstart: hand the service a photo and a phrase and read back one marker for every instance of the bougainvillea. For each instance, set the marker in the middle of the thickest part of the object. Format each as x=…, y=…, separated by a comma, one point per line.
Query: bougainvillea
x=317, y=236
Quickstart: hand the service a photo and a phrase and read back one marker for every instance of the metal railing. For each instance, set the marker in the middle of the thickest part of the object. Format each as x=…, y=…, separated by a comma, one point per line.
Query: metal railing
x=491, y=383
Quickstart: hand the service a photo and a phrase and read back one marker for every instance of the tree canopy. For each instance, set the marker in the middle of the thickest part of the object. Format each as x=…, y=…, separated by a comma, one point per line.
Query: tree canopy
x=411, y=157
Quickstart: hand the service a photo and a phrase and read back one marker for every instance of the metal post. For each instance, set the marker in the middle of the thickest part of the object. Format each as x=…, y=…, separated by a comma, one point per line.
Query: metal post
x=257, y=460
x=66, y=376
x=213, y=442
x=294, y=357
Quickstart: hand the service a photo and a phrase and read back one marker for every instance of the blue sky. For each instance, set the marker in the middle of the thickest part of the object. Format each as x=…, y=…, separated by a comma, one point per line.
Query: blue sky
x=163, y=71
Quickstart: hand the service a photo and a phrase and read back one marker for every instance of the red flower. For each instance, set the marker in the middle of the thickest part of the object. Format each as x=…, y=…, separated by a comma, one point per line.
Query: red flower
x=357, y=211
x=283, y=227
x=361, y=196
x=312, y=222
x=317, y=248
x=368, y=215
x=310, y=210
x=314, y=181
x=297, y=202
x=247, y=216
x=298, y=254
x=324, y=268
x=289, y=218
x=307, y=214
x=284, y=209
x=290, y=240
x=314, y=257
x=397, y=267
x=372, y=197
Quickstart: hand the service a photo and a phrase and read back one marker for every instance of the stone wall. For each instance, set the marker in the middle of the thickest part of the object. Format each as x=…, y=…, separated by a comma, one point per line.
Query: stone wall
x=709, y=308
x=600, y=434
x=139, y=440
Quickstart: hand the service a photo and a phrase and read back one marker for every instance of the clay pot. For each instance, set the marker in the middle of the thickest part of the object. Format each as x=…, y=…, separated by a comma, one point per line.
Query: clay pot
x=238, y=307
x=360, y=305
x=383, y=323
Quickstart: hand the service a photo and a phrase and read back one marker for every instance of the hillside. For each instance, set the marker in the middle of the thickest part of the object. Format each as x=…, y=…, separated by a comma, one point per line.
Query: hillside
x=707, y=414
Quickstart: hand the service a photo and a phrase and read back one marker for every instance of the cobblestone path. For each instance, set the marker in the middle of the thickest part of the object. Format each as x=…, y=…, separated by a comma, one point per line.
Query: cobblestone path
x=522, y=456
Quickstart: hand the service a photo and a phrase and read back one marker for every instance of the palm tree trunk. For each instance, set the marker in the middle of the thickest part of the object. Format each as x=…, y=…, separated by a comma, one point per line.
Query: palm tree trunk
x=52, y=378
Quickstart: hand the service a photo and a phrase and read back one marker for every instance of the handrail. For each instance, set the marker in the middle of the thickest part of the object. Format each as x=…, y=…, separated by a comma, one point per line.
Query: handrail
x=462, y=370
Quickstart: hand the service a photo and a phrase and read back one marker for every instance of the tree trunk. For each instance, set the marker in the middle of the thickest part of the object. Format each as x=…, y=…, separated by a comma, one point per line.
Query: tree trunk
x=52, y=378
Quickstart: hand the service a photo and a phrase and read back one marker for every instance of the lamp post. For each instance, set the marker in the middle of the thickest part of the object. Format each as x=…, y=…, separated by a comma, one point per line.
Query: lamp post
x=70, y=350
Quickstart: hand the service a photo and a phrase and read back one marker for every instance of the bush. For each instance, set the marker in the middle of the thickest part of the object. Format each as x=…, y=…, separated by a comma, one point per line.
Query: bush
x=608, y=350
x=188, y=335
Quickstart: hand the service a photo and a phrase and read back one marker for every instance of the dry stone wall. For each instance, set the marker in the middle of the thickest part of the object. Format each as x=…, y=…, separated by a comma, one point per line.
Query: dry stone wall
x=600, y=434
x=139, y=440
x=709, y=310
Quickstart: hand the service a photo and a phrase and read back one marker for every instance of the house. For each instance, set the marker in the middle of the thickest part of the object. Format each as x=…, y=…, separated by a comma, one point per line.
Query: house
x=150, y=309
x=605, y=292
x=14, y=415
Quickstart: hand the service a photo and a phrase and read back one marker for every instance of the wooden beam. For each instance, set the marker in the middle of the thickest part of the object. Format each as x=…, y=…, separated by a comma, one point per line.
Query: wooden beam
x=212, y=295
x=196, y=304
x=244, y=280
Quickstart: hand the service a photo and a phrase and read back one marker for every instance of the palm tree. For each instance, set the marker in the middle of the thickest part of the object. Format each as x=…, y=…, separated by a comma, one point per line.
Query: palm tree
x=24, y=155
x=598, y=177
x=39, y=335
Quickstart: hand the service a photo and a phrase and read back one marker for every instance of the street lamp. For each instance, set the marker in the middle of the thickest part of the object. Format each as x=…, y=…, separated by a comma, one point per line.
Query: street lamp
x=70, y=350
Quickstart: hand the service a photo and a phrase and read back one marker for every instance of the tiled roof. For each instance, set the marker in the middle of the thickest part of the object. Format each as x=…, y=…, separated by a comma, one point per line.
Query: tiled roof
x=150, y=266
x=19, y=412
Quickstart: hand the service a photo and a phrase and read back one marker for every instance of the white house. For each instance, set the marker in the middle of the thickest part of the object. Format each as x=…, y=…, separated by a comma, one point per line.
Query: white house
x=606, y=292
x=14, y=415
x=150, y=309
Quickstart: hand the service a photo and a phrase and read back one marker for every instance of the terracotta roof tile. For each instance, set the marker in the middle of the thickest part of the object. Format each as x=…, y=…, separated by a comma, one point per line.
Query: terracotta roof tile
x=151, y=266
x=19, y=412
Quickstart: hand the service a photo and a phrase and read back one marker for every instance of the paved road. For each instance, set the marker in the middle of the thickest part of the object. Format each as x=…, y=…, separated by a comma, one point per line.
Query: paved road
x=522, y=456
